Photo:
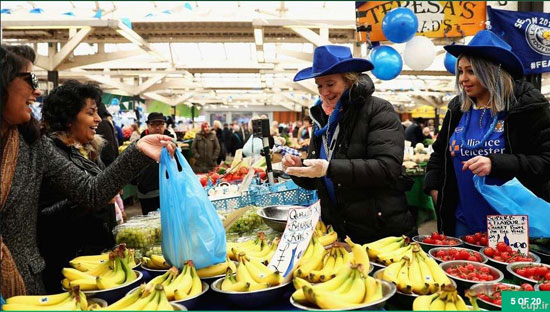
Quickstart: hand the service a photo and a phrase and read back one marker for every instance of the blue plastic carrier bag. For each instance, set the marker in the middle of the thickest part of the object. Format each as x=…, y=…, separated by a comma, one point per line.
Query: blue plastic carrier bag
x=191, y=228
x=512, y=198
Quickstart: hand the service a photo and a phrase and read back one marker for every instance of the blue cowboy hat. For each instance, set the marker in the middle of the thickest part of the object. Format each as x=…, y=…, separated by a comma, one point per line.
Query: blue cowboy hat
x=333, y=59
x=489, y=46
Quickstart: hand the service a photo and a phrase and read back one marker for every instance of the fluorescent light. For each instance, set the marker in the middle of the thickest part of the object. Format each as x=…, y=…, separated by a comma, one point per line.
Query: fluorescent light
x=258, y=36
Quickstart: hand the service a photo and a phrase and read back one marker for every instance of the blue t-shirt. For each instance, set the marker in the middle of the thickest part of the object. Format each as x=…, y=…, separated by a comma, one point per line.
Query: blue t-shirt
x=472, y=138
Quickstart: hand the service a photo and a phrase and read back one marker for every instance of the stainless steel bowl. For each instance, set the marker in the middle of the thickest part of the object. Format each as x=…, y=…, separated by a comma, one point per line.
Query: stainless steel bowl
x=191, y=302
x=537, y=287
x=470, y=246
x=275, y=216
x=426, y=247
x=401, y=300
x=433, y=251
x=153, y=272
x=502, y=265
x=388, y=290
x=489, y=290
x=113, y=294
x=522, y=279
x=178, y=307
x=252, y=299
x=102, y=303
x=463, y=284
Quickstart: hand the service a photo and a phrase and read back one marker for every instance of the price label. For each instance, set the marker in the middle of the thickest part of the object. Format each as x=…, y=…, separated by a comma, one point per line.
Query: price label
x=525, y=301
x=300, y=226
x=510, y=229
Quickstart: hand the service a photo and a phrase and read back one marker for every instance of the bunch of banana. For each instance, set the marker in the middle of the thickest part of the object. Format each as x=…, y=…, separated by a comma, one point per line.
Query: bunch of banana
x=179, y=285
x=348, y=289
x=326, y=235
x=446, y=299
x=418, y=274
x=333, y=262
x=258, y=248
x=145, y=298
x=90, y=263
x=360, y=256
x=155, y=262
x=110, y=274
x=385, y=247
x=73, y=300
x=217, y=269
x=312, y=259
x=252, y=273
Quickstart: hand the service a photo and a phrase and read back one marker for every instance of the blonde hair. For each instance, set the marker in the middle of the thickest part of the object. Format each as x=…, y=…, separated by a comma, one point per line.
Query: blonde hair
x=217, y=123
x=351, y=78
x=498, y=82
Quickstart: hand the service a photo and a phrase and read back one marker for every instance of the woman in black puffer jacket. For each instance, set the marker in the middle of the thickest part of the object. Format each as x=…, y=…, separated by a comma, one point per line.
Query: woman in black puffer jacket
x=356, y=153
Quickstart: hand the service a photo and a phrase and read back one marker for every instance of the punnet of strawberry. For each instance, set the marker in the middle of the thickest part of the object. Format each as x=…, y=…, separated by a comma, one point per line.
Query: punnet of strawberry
x=505, y=253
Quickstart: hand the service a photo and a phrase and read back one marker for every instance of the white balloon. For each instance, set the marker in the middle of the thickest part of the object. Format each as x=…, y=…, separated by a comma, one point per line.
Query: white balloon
x=419, y=53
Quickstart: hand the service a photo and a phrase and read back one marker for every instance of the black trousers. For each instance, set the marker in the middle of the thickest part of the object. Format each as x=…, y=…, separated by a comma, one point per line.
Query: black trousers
x=149, y=204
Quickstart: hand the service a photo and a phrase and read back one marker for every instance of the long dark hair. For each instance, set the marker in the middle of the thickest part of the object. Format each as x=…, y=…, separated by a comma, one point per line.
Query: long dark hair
x=14, y=59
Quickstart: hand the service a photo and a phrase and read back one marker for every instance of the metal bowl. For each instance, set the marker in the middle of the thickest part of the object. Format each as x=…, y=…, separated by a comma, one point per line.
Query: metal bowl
x=433, y=251
x=388, y=290
x=113, y=294
x=178, y=307
x=377, y=265
x=275, y=216
x=252, y=299
x=463, y=284
x=470, y=246
x=426, y=247
x=502, y=265
x=191, y=302
x=537, y=287
x=522, y=279
x=152, y=273
x=488, y=290
x=401, y=300
x=102, y=303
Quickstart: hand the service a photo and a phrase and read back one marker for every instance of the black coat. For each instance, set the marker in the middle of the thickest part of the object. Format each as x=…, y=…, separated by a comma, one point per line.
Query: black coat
x=365, y=169
x=527, y=154
x=110, y=150
x=66, y=230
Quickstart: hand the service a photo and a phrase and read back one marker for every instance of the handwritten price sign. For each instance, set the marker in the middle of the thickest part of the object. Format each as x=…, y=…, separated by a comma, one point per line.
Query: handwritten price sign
x=511, y=229
x=300, y=225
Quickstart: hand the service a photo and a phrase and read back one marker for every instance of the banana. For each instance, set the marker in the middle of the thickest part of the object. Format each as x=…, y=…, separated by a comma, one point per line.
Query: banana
x=337, y=281
x=69, y=304
x=214, y=270
x=159, y=262
x=85, y=284
x=426, y=274
x=438, y=274
x=298, y=283
x=373, y=288
x=92, y=258
x=102, y=268
x=126, y=301
x=299, y=296
x=389, y=257
x=439, y=303
x=140, y=303
x=321, y=227
x=403, y=281
x=196, y=283
x=326, y=271
x=381, y=245
x=163, y=304
x=422, y=303
x=107, y=281
x=328, y=238
x=130, y=274
x=262, y=274
x=182, y=285
x=360, y=256
x=74, y=274
x=231, y=284
x=419, y=286
x=392, y=271
x=152, y=305
x=460, y=304
x=339, y=300
x=450, y=302
x=242, y=273
x=315, y=262
x=39, y=300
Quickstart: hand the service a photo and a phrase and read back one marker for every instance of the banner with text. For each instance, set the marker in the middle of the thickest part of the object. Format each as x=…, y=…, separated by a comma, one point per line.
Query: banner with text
x=510, y=229
x=529, y=35
x=458, y=18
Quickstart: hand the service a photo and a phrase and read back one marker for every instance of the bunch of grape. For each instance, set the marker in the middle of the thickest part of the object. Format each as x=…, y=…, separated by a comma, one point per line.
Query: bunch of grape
x=250, y=221
x=154, y=250
x=135, y=235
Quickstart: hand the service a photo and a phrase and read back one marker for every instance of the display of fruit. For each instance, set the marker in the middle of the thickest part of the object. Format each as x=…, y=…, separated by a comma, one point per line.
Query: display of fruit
x=389, y=250
x=326, y=235
x=446, y=299
x=544, y=286
x=72, y=300
x=250, y=275
x=91, y=262
x=536, y=272
x=440, y=239
x=247, y=222
x=110, y=274
x=419, y=273
x=179, y=285
x=217, y=269
x=137, y=235
x=258, y=249
x=479, y=239
x=449, y=254
x=146, y=298
x=494, y=295
x=332, y=262
x=349, y=288
x=505, y=253
x=153, y=250
x=471, y=272
x=311, y=260
x=156, y=262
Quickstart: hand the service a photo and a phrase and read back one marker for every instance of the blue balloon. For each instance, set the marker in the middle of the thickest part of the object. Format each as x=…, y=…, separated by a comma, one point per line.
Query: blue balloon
x=450, y=63
x=115, y=101
x=387, y=62
x=400, y=25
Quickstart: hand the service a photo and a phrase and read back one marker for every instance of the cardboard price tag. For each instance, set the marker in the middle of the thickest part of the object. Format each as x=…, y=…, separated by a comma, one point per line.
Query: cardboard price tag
x=510, y=229
x=300, y=226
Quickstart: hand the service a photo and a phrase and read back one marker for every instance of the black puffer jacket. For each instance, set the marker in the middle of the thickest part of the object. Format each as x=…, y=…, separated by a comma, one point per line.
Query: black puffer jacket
x=66, y=230
x=365, y=169
x=527, y=155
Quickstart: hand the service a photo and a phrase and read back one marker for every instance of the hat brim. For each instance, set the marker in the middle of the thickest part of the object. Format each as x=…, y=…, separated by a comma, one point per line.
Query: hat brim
x=356, y=65
x=155, y=119
x=508, y=60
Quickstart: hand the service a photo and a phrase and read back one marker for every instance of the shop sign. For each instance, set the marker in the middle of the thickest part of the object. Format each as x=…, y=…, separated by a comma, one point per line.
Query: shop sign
x=300, y=226
x=458, y=18
x=511, y=229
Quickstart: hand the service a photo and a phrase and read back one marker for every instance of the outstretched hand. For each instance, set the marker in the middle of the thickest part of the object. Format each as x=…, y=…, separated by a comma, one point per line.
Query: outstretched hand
x=151, y=145
x=315, y=168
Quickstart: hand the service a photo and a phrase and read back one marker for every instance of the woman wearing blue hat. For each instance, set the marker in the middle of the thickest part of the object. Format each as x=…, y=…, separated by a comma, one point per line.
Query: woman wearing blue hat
x=498, y=126
x=355, y=156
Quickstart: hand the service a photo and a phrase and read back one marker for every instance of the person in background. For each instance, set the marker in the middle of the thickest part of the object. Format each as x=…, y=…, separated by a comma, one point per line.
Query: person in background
x=498, y=127
x=148, y=179
x=355, y=156
x=413, y=133
x=107, y=130
x=70, y=117
x=221, y=141
x=206, y=149
x=305, y=134
x=237, y=140
x=296, y=129
x=135, y=133
x=254, y=145
x=30, y=159
x=227, y=134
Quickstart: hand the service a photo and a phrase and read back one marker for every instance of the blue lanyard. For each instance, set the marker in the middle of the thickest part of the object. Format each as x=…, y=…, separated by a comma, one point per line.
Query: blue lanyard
x=485, y=137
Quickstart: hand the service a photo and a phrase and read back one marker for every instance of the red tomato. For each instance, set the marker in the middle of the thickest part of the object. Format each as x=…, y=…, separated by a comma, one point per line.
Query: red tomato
x=527, y=287
x=547, y=276
x=489, y=252
x=522, y=271
x=497, y=302
x=484, y=297
x=472, y=258
x=477, y=236
x=502, y=247
x=484, y=241
x=263, y=175
x=545, y=287
x=470, y=239
x=542, y=270
x=463, y=255
x=204, y=180
x=440, y=254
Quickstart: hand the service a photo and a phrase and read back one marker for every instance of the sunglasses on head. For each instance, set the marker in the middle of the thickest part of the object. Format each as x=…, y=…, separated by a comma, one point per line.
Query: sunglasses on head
x=30, y=78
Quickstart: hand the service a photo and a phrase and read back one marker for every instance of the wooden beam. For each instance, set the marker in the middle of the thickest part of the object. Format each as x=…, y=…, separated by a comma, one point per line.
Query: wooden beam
x=311, y=36
x=83, y=60
x=69, y=47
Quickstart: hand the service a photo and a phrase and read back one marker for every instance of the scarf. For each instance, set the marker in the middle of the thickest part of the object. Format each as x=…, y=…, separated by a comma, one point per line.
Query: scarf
x=12, y=281
x=333, y=119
